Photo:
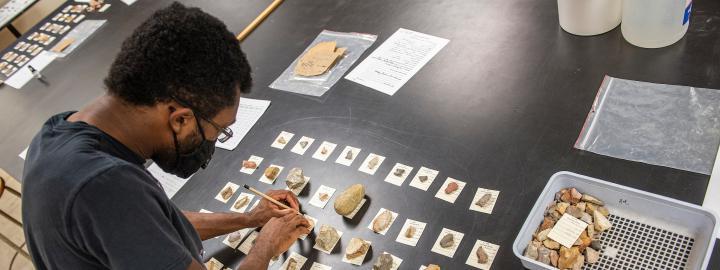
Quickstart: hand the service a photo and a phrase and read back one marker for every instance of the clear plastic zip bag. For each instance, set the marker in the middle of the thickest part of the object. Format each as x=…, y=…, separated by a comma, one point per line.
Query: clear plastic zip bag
x=354, y=43
x=667, y=125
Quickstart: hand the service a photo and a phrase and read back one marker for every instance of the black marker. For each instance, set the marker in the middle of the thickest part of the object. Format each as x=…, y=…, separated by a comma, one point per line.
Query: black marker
x=34, y=72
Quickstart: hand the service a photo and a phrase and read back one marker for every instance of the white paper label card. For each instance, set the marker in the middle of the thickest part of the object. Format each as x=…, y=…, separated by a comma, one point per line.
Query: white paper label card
x=248, y=243
x=567, y=230
x=242, y=202
x=302, y=145
x=322, y=196
x=424, y=178
x=298, y=259
x=282, y=140
x=253, y=160
x=213, y=264
x=398, y=174
x=396, y=60
x=449, y=247
x=299, y=189
x=490, y=250
x=312, y=222
x=386, y=228
x=255, y=204
x=449, y=192
x=324, y=151
x=205, y=211
x=484, y=200
x=411, y=232
x=371, y=164
x=227, y=192
x=316, y=246
x=348, y=155
x=233, y=239
x=357, y=260
x=357, y=209
x=319, y=266
x=266, y=180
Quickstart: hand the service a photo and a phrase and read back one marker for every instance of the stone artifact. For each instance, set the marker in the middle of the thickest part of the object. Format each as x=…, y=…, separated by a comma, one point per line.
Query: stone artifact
x=249, y=164
x=482, y=256
x=272, y=172
x=324, y=150
x=447, y=241
x=227, y=193
x=212, y=265
x=356, y=248
x=318, y=59
x=384, y=262
x=568, y=256
x=235, y=236
x=241, y=202
x=327, y=237
x=423, y=178
x=281, y=140
x=292, y=264
x=295, y=178
x=601, y=222
x=382, y=221
x=585, y=249
x=303, y=144
x=591, y=256
x=432, y=267
x=373, y=162
x=324, y=197
x=349, y=155
x=399, y=172
x=591, y=199
x=482, y=202
x=349, y=199
x=452, y=187
x=410, y=231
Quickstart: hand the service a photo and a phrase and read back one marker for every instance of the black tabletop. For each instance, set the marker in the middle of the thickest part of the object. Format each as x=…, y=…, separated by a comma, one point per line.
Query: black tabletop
x=499, y=107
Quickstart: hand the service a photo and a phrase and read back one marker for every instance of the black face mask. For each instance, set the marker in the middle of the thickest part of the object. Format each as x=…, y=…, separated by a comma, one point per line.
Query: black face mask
x=187, y=164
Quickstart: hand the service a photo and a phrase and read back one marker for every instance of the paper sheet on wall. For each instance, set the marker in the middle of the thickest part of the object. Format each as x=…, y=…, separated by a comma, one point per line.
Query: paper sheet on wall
x=170, y=183
x=712, y=195
x=392, y=64
x=247, y=115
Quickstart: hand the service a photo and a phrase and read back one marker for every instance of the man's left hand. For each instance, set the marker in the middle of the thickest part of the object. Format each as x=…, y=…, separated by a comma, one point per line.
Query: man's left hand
x=267, y=210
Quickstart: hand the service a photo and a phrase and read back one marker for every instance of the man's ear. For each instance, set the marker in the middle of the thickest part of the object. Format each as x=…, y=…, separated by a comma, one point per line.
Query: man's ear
x=180, y=117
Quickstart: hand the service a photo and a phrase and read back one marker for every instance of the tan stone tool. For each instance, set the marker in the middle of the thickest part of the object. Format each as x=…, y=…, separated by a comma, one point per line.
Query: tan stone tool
x=319, y=59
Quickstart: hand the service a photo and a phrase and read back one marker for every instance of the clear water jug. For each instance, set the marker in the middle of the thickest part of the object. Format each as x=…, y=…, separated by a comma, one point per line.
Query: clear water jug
x=589, y=17
x=655, y=23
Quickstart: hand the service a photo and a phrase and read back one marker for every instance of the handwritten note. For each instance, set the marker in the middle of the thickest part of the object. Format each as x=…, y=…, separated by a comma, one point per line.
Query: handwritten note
x=392, y=64
x=247, y=115
x=170, y=183
x=567, y=230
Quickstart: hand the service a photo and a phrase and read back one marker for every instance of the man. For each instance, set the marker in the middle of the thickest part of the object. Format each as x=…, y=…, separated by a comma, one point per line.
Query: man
x=89, y=203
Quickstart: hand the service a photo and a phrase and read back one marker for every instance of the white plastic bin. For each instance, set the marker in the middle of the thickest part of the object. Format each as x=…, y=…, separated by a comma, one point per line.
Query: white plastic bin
x=649, y=231
x=589, y=17
x=655, y=23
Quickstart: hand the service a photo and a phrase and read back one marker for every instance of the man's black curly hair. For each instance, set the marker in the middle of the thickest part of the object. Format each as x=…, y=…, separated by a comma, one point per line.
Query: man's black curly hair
x=181, y=53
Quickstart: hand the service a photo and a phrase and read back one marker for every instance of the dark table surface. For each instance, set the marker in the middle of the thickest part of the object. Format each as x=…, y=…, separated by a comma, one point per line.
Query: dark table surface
x=499, y=107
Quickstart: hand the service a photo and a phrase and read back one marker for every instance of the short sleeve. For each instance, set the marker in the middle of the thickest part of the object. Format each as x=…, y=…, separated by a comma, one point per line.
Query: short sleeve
x=121, y=219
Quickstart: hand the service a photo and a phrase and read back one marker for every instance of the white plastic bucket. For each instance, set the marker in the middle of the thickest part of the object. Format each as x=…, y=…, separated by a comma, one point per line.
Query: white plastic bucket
x=589, y=17
x=655, y=23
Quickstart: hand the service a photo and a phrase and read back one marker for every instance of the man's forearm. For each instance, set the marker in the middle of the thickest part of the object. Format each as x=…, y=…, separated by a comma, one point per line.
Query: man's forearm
x=209, y=225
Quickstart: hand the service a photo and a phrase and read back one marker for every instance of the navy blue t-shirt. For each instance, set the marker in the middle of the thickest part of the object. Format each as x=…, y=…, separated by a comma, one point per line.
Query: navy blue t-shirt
x=89, y=203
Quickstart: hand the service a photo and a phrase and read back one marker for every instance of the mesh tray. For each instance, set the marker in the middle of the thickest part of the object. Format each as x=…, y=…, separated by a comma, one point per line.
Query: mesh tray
x=649, y=231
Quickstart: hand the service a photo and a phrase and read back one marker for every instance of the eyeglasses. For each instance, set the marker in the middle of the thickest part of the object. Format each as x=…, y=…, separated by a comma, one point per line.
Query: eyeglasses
x=225, y=133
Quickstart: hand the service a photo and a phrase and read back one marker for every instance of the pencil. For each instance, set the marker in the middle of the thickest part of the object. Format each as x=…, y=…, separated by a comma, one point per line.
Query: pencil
x=276, y=202
x=254, y=24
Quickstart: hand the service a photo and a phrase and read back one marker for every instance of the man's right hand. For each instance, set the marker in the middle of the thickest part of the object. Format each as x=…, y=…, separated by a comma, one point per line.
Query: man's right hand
x=279, y=233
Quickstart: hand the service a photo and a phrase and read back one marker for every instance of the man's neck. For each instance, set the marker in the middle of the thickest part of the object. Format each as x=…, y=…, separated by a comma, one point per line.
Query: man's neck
x=133, y=126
